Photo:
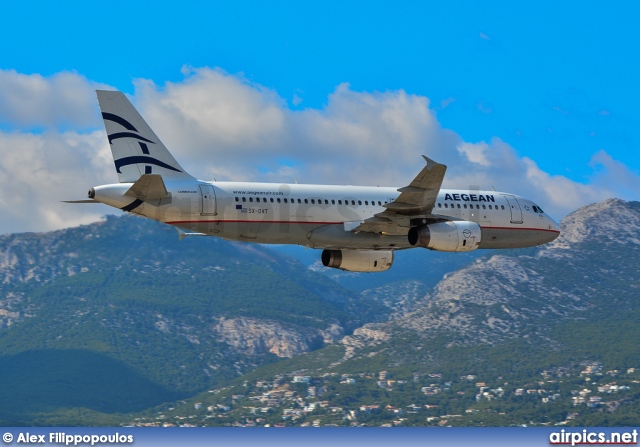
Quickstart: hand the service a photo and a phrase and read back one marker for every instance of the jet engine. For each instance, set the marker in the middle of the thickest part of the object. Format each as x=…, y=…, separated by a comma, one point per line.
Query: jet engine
x=447, y=236
x=358, y=260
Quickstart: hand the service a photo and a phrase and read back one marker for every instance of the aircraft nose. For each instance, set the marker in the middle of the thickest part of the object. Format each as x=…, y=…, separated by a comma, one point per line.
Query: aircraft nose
x=555, y=227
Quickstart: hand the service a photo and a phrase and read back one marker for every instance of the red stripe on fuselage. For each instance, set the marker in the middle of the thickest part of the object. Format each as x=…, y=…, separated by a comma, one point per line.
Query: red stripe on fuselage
x=291, y=222
x=518, y=228
x=254, y=221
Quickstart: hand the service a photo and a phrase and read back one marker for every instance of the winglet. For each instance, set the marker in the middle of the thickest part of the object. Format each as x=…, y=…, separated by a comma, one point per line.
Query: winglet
x=430, y=163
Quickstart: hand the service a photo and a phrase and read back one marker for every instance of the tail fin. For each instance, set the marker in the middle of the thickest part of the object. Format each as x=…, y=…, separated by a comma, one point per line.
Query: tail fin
x=135, y=147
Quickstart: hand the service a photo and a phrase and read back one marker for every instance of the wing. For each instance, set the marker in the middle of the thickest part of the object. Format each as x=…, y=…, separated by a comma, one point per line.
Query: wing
x=415, y=202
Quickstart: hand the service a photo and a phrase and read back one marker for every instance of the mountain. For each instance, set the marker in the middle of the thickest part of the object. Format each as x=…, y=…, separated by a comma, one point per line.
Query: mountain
x=118, y=322
x=547, y=335
x=588, y=271
x=120, y=315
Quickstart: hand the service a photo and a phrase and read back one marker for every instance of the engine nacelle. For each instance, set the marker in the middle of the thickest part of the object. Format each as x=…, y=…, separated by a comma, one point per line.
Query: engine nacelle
x=447, y=236
x=358, y=260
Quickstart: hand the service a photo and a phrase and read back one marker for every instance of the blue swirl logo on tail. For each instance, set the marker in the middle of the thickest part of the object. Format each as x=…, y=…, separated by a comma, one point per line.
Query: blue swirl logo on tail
x=145, y=158
x=136, y=159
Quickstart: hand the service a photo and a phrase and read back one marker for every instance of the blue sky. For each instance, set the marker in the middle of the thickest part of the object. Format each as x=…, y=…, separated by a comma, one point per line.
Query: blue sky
x=557, y=83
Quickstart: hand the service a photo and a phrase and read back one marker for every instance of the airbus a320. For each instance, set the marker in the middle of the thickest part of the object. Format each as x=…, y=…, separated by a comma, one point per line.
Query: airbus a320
x=358, y=228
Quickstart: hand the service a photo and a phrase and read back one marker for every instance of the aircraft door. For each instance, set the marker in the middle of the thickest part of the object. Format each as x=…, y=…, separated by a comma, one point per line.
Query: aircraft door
x=208, y=199
x=514, y=207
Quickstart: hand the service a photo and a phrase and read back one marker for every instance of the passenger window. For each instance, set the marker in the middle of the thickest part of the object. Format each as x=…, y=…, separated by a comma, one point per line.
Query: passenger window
x=353, y=202
x=271, y=199
x=458, y=206
x=379, y=203
x=278, y=199
x=465, y=206
x=299, y=201
x=477, y=207
x=244, y=199
x=285, y=200
x=333, y=202
x=306, y=200
x=502, y=206
x=484, y=207
x=250, y=199
x=446, y=206
x=439, y=205
x=237, y=199
x=339, y=202
x=313, y=201
x=359, y=202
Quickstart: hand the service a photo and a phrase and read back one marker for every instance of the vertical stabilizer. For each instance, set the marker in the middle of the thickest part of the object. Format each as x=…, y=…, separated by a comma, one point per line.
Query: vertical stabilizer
x=135, y=147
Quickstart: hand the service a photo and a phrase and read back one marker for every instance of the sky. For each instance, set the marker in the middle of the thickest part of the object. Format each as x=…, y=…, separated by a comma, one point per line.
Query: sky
x=538, y=99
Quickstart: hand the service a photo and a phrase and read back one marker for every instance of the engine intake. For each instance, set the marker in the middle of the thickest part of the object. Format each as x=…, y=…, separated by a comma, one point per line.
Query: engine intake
x=447, y=236
x=358, y=260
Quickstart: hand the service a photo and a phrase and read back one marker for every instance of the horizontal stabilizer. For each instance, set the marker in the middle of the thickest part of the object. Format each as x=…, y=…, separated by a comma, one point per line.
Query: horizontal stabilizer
x=148, y=187
x=182, y=234
x=80, y=201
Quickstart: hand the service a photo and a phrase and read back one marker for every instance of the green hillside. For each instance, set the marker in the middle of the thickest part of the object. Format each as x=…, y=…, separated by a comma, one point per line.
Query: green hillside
x=120, y=316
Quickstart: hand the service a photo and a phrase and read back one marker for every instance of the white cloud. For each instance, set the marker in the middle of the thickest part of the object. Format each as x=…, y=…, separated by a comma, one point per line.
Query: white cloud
x=475, y=153
x=222, y=126
x=614, y=177
x=214, y=110
x=37, y=171
x=560, y=194
x=65, y=98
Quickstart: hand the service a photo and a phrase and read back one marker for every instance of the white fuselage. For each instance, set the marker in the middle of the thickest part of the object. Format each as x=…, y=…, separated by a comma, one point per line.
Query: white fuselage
x=323, y=216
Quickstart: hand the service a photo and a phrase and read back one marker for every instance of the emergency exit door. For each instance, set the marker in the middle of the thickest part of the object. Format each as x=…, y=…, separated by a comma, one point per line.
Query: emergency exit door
x=208, y=198
x=514, y=207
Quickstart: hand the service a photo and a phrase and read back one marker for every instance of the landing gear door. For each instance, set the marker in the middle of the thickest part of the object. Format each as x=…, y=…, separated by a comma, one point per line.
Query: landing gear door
x=208, y=199
x=514, y=207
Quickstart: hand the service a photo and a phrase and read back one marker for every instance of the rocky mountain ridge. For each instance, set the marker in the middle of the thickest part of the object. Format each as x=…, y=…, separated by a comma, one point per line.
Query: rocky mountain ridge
x=121, y=247
x=527, y=293
x=174, y=317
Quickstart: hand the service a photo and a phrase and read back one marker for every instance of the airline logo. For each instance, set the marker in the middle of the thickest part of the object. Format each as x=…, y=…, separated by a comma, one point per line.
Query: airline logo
x=145, y=158
x=470, y=197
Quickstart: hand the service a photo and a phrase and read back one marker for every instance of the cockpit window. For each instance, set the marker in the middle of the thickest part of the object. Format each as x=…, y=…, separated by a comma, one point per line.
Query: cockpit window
x=537, y=209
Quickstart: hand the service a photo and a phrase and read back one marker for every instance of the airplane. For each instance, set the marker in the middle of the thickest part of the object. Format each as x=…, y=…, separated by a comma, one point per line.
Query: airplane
x=358, y=228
